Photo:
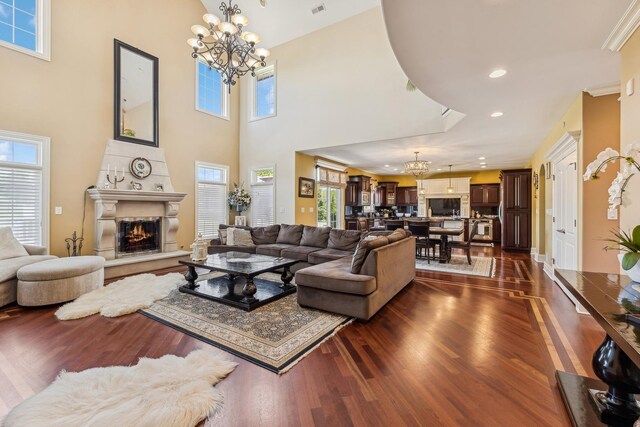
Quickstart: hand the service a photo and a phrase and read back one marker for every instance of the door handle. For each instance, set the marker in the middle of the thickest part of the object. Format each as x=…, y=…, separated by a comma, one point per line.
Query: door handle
x=562, y=230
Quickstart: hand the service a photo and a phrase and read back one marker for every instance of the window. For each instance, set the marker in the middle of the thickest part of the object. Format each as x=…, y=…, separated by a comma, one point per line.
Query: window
x=262, y=197
x=25, y=26
x=24, y=186
x=264, y=93
x=211, y=198
x=211, y=92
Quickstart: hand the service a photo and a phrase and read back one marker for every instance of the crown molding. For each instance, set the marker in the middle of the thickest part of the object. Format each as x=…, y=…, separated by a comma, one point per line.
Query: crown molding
x=623, y=30
x=602, y=90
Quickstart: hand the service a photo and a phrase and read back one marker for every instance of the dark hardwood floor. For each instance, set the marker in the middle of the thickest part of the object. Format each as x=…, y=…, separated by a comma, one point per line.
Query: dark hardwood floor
x=448, y=350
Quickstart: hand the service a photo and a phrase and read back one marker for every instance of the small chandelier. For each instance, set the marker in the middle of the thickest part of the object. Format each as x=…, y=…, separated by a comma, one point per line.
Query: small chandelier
x=226, y=47
x=418, y=168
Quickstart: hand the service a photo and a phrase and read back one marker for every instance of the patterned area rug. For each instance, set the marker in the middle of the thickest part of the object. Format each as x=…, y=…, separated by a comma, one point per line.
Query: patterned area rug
x=275, y=336
x=480, y=266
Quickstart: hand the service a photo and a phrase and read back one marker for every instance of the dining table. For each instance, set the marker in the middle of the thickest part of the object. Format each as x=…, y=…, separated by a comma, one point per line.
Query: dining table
x=444, y=233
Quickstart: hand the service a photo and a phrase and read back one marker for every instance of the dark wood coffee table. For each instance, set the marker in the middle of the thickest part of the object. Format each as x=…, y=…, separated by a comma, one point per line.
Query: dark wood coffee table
x=239, y=287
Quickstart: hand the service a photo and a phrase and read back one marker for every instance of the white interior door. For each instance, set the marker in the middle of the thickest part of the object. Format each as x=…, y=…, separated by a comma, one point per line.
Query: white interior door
x=565, y=212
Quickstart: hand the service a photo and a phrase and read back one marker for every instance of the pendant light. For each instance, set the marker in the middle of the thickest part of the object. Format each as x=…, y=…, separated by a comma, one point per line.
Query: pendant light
x=450, y=187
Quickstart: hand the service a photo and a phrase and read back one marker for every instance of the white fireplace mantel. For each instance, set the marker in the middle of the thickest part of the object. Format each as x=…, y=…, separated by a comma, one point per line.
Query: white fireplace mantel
x=136, y=196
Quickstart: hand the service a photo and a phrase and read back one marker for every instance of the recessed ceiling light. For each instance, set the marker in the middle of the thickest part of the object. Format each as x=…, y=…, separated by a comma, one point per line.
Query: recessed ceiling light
x=497, y=114
x=395, y=169
x=386, y=166
x=497, y=73
x=483, y=166
x=483, y=163
x=439, y=169
x=481, y=158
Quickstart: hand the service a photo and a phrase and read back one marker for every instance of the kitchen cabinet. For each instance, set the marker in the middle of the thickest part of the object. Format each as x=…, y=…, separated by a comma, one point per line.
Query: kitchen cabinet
x=358, y=191
x=385, y=194
x=485, y=195
x=516, y=215
x=407, y=196
x=351, y=194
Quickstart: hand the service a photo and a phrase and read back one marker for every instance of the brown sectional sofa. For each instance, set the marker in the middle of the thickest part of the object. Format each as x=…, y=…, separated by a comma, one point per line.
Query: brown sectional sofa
x=324, y=274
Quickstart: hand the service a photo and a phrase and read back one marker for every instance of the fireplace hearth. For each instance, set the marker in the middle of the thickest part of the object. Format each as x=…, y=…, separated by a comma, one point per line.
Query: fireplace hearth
x=138, y=236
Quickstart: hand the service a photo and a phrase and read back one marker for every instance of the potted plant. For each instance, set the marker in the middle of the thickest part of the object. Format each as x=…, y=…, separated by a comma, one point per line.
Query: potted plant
x=630, y=247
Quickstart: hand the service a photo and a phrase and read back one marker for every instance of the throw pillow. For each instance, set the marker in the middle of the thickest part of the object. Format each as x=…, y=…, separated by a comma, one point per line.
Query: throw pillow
x=265, y=235
x=230, y=237
x=316, y=237
x=222, y=234
x=344, y=240
x=290, y=234
x=9, y=245
x=362, y=251
x=242, y=237
x=397, y=235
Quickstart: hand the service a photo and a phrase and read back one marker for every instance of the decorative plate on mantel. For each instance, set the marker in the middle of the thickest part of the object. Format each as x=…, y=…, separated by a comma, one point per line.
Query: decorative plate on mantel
x=140, y=167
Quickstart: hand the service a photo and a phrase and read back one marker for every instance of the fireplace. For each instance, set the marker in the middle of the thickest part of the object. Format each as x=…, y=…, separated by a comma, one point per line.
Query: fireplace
x=138, y=236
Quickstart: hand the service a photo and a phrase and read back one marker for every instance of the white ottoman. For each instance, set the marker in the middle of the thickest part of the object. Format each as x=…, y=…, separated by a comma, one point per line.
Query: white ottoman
x=59, y=280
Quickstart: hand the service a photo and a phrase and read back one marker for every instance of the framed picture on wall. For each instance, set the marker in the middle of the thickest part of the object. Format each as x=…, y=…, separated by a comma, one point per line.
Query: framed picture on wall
x=306, y=187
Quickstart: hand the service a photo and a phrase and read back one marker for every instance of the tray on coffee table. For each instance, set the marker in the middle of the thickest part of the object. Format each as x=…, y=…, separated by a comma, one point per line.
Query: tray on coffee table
x=239, y=287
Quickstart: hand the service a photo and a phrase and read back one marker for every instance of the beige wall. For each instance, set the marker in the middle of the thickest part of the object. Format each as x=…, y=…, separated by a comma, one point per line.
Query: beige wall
x=630, y=126
x=325, y=82
x=70, y=100
x=598, y=120
x=306, y=168
x=601, y=129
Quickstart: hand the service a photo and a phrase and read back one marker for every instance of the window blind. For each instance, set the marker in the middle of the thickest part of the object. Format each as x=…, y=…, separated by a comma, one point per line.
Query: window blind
x=262, y=205
x=21, y=203
x=211, y=201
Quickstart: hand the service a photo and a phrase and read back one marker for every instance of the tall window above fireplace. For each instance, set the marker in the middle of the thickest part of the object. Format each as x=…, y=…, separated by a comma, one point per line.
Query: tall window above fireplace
x=138, y=236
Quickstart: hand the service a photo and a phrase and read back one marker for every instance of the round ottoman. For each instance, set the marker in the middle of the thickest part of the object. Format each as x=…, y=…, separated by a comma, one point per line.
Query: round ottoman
x=59, y=280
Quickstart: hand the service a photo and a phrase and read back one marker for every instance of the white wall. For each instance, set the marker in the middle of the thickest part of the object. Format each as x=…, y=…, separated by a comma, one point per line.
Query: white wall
x=340, y=85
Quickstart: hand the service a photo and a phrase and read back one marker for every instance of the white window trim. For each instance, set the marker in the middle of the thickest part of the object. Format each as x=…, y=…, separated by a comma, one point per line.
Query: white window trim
x=251, y=180
x=43, y=31
x=44, y=144
x=196, y=181
x=254, y=98
x=225, y=97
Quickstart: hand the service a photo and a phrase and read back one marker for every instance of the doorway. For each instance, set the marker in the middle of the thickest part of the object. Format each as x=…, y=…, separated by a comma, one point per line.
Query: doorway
x=542, y=214
x=329, y=203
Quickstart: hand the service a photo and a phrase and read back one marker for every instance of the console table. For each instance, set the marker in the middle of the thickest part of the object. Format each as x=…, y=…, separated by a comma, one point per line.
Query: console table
x=607, y=297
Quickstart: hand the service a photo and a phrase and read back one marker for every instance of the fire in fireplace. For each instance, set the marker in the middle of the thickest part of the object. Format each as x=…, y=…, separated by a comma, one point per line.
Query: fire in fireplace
x=138, y=236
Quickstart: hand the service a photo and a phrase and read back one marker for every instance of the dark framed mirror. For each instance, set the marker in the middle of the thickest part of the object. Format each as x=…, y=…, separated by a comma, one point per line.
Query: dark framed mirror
x=136, y=95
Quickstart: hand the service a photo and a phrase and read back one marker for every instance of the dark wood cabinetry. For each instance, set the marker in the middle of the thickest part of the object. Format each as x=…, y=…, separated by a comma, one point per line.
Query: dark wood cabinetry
x=386, y=193
x=516, y=215
x=407, y=196
x=358, y=191
x=485, y=195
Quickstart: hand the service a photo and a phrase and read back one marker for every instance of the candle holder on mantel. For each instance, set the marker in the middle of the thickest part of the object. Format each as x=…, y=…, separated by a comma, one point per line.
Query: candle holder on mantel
x=115, y=180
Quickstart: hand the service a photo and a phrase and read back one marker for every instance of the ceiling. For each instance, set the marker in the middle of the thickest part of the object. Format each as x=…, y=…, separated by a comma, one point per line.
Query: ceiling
x=551, y=50
x=284, y=20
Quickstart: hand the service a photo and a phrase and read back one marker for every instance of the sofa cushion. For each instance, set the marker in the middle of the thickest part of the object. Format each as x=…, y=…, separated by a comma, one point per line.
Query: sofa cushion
x=365, y=246
x=300, y=253
x=239, y=237
x=61, y=268
x=9, y=245
x=265, y=235
x=273, y=249
x=217, y=249
x=315, y=236
x=328, y=254
x=397, y=235
x=9, y=267
x=290, y=234
x=345, y=240
x=335, y=276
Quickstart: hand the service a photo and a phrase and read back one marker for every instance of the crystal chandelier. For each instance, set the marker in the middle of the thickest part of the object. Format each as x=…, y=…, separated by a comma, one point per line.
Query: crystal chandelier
x=418, y=168
x=226, y=47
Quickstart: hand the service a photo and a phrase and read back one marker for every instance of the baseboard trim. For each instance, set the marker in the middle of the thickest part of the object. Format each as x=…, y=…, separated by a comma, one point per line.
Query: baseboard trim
x=549, y=271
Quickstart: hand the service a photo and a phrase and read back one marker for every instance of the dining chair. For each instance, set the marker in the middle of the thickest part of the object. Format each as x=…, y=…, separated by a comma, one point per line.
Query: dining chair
x=421, y=231
x=392, y=224
x=466, y=246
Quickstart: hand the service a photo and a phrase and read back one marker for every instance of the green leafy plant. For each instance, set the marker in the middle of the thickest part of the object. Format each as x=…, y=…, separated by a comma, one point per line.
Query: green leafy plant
x=626, y=243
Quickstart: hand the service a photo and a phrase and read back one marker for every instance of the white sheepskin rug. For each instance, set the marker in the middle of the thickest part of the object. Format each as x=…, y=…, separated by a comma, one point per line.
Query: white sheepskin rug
x=169, y=391
x=122, y=297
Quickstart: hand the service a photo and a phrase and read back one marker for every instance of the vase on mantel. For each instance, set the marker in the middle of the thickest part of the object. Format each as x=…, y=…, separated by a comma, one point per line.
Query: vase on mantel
x=634, y=272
